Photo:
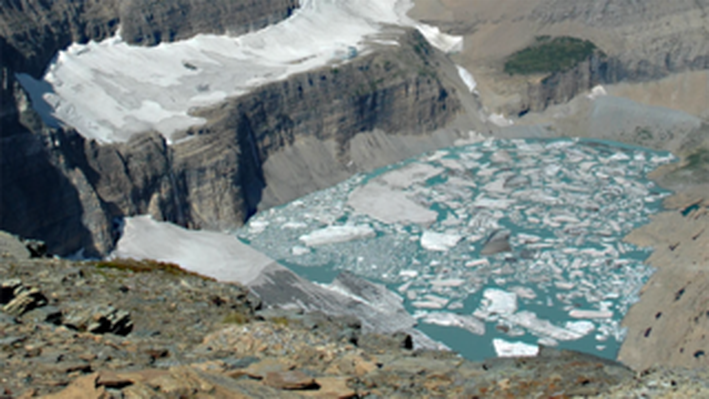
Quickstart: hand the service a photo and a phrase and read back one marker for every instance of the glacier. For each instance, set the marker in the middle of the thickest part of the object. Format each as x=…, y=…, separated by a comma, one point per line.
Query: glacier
x=110, y=90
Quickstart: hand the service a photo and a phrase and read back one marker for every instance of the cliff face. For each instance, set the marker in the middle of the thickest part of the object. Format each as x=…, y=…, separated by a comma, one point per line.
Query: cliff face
x=32, y=31
x=53, y=182
x=643, y=40
x=150, y=22
x=213, y=177
x=44, y=191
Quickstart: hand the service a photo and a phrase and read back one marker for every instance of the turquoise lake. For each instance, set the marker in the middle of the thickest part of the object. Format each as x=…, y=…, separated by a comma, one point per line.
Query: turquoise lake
x=419, y=227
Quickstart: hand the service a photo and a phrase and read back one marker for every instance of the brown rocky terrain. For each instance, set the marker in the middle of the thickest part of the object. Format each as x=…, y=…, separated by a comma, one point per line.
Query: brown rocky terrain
x=641, y=41
x=127, y=329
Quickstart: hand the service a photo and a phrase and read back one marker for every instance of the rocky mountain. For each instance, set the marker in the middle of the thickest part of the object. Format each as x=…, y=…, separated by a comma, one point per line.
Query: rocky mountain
x=153, y=330
x=216, y=179
x=640, y=41
x=296, y=135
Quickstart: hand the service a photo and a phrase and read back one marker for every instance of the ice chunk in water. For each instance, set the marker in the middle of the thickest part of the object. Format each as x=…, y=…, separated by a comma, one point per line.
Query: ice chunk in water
x=433, y=241
x=591, y=314
x=470, y=323
x=496, y=301
x=514, y=349
x=583, y=327
x=335, y=234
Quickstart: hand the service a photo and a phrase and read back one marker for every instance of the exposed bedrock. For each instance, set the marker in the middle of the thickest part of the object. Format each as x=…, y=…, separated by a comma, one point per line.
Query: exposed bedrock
x=32, y=31
x=214, y=177
x=643, y=40
x=44, y=191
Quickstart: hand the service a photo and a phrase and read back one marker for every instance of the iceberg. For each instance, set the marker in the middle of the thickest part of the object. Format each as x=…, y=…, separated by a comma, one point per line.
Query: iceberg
x=388, y=205
x=336, y=234
x=433, y=241
x=591, y=314
x=498, y=302
x=514, y=349
x=543, y=328
x=470, y=323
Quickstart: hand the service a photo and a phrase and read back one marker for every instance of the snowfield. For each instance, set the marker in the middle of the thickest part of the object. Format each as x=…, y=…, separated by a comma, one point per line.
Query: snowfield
x=111, y=90
x=212, y=254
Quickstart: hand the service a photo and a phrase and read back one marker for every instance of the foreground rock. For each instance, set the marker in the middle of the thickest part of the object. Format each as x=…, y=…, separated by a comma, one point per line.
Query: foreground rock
x=668, y=326
x=199, y=338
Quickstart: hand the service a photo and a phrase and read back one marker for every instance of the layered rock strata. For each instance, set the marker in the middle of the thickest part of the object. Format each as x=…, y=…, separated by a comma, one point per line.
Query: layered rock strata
x=214, y=178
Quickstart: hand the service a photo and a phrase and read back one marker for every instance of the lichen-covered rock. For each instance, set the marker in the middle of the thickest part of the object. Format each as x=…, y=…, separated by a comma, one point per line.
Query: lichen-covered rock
x=23, y=300
x=98, y=319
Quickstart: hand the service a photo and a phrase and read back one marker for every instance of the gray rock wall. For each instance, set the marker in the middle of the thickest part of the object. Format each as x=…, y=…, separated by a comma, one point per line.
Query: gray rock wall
x=214, y=178
x=32, y=31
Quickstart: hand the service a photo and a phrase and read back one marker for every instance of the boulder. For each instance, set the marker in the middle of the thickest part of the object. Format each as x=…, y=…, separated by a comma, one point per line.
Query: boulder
x=98, y=319
x=290, y=380
x=24, y=300
x=497, y=242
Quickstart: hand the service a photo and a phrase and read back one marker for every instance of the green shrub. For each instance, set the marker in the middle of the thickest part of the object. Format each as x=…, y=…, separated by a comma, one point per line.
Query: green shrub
x=548, y=55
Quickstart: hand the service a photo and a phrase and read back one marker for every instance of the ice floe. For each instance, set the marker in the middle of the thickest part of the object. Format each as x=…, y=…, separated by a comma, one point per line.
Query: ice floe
x=498, y=302
x=336, y=234
x=514, y=349
x=433, y=241
x=472, y=324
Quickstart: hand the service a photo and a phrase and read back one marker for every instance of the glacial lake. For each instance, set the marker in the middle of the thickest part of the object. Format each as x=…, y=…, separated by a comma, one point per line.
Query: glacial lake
x=554, y=212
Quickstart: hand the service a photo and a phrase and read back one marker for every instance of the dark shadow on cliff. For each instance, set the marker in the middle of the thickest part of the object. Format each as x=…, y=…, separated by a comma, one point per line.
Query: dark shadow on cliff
x=37, y=200
x=251, y=177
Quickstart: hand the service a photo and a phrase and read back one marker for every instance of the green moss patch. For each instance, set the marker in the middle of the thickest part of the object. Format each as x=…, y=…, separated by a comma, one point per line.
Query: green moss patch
x=548, y=55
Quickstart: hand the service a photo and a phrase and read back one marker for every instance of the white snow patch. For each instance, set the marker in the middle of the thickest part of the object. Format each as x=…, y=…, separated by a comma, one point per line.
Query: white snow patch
x=110, y=90
x=337, y=234
x=212, y=254
x=442, y=41
x=596, y=92
x=433, y=241
x=467, y=78
x=500, y=120
x=514, y=349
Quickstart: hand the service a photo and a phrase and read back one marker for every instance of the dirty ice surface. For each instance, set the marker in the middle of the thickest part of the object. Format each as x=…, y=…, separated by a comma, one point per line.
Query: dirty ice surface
x=420, y=227
x=110, y=90
x=212, y=254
